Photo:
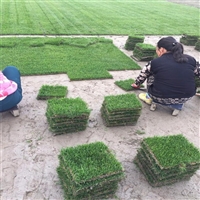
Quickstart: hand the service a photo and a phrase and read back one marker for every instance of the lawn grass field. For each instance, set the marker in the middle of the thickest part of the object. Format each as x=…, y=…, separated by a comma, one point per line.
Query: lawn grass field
x=81, y=58
x=84, y=58
x=144, y=17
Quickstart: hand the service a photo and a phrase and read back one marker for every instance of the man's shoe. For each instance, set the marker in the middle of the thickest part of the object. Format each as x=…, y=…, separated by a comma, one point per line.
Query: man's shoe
x=145, y=97
x=15, y=111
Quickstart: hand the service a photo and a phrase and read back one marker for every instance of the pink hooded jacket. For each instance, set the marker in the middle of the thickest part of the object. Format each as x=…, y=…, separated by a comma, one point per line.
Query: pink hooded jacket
x=7, y=87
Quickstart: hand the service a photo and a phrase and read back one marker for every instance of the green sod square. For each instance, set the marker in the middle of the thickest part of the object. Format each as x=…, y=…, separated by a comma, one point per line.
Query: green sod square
x=66, y=115
x=122, y=102
x=144, y=52
x=171, y=151
x=52, y=91
x=132, y=41
x=167, y=159
x=89, y=171
x=121, y=110
x=126, y=84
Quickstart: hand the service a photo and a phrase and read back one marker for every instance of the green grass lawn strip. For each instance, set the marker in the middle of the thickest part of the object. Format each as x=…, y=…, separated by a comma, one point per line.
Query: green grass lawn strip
x=40, y=56
x=35, y=13
x=12, y=14
x=97, y=17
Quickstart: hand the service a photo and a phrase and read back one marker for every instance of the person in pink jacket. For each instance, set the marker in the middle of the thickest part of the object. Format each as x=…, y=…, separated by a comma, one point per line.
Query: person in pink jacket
x=10, y=90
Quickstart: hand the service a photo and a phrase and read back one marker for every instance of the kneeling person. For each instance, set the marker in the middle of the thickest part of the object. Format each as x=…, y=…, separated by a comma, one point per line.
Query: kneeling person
x=10, y=90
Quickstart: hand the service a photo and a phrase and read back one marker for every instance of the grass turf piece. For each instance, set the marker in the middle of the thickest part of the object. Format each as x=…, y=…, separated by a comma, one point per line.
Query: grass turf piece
x=50, y=91
x=171, y=151
x=189, y=40
x=97, y=17
x=89, y=171
x=132, y=41
x=122, y=102
x=67, y=107
x=126, y=84
x=168, y=159
x=121, y=110
x=65, y=55
x=156, y=182
x=66, y=115
x=144, y=52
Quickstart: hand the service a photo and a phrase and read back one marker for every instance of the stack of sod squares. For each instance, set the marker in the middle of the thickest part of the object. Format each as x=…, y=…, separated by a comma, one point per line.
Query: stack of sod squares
x=52, y=91
x=66, y=115
x=89, y=171
x=121, y=110
x=144, y=52
x=132, y=41
x=189, y=40
x=197, y=45
x=168, y=159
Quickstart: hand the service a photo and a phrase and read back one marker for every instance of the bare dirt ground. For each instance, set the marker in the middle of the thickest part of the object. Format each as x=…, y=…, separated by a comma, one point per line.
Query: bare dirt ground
x=29, y=151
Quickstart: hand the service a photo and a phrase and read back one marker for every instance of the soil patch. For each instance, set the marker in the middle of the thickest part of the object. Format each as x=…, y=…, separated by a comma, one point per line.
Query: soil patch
x=29, y=155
